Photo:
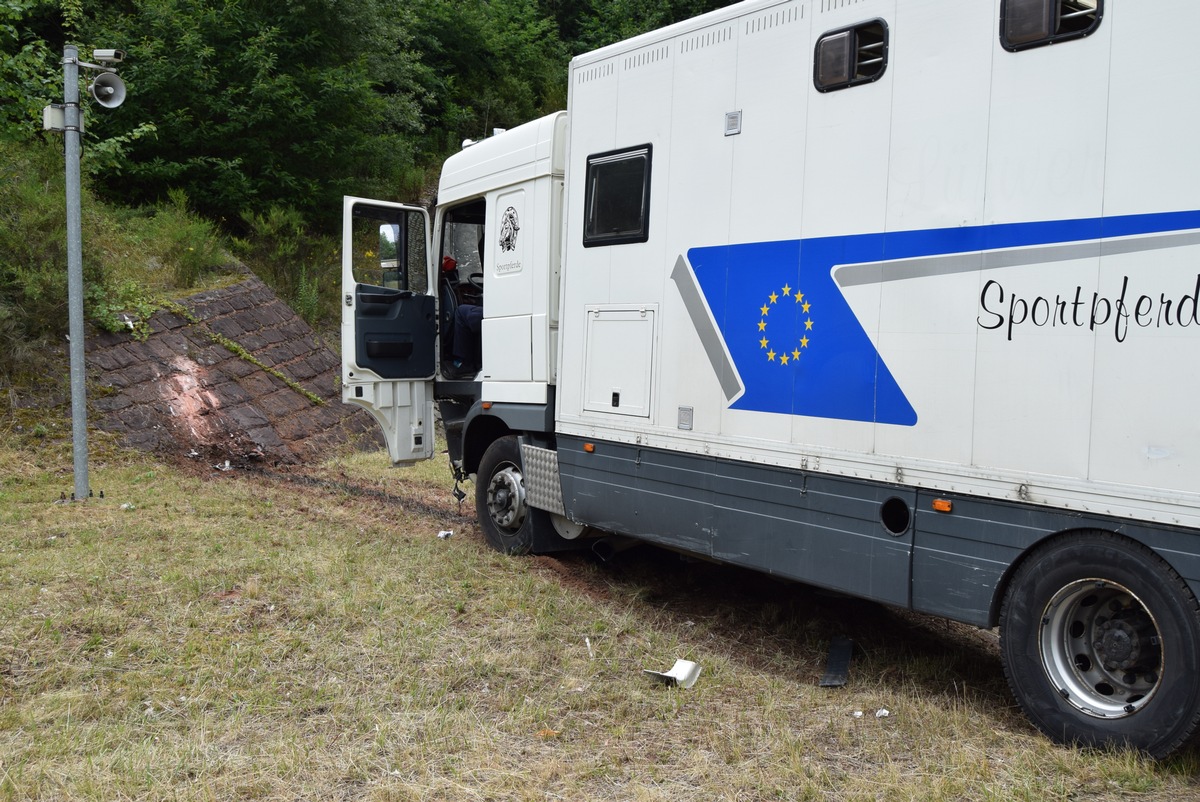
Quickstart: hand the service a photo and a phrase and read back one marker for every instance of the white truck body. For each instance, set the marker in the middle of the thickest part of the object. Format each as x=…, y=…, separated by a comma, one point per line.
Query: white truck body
x=890, y=327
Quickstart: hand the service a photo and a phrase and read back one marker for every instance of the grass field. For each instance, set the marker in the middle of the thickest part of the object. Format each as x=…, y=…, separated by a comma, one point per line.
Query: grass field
x=207, y=635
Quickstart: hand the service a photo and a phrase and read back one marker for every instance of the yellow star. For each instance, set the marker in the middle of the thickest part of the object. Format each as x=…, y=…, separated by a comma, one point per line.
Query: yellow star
x=803, y=342
x=787, y=290
x=762, y=325
x=783, y=359
x=770, y=356
x=765, y=309
x=805, y=307
x=763, y=342
x=796, y=354
x=799, y=297
x=774, y=297
x=808, y=325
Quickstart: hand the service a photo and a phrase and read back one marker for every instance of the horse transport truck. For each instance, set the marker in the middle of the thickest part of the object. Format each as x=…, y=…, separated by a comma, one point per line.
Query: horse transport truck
x=897, y=298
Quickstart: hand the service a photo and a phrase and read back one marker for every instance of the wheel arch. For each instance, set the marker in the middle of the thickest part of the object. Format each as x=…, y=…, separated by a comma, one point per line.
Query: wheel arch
x=487, y=422
x=1029, y=551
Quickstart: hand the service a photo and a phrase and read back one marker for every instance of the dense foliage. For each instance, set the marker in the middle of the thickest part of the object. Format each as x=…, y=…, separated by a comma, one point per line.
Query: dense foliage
x=253, y=118
x=246, y=105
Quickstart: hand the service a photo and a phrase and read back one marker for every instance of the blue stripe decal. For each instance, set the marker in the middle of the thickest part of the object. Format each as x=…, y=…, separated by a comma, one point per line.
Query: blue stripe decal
x=793, y=338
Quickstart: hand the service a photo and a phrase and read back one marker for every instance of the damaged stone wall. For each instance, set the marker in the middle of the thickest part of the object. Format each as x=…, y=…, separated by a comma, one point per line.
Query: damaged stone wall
x=193, y=388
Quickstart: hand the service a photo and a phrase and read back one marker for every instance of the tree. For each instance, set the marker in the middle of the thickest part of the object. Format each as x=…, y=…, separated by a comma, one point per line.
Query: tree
x=258, y=104
x=25, y=65
x=602, y=22
x=485, y=64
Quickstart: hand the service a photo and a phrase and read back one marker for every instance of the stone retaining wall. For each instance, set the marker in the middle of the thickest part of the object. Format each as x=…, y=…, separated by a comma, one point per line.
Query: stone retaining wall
x=183, y=392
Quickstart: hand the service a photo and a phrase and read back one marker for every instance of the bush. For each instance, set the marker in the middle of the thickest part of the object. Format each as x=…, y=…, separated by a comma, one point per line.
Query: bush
x=130, y=258
x=33, y=257
x=302, y=268
x=188, y=245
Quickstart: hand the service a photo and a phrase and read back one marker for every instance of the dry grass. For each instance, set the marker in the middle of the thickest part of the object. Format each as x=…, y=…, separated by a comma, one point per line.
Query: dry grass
x=231, y=636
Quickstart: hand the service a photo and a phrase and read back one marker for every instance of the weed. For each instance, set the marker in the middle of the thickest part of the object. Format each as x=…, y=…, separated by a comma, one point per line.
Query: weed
x=296, y=264
x=193, y=247
x=308, y=298
x=124, y=308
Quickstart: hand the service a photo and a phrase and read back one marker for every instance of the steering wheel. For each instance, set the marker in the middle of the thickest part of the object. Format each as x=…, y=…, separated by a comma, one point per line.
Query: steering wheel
x=476, y=280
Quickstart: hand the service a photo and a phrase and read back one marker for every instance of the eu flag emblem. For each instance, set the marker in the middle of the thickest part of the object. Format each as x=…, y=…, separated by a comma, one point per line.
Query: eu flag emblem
x=793, y=339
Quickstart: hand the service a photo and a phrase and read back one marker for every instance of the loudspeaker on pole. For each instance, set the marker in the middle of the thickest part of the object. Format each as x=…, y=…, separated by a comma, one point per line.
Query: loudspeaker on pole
x=108, y=90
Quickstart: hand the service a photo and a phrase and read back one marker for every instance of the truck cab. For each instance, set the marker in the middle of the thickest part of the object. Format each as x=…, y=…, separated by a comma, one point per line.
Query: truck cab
x=460, y=310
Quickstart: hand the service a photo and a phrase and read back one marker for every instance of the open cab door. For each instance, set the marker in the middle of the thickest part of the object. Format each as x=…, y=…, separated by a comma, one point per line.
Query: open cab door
x=389, y=322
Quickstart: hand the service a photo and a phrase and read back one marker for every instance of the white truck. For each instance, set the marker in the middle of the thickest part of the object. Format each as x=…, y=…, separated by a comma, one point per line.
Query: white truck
x=899, y=299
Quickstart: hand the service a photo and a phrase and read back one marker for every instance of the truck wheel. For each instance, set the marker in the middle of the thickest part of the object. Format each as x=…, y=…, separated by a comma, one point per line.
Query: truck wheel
x=508, y=523
x=1101, y=645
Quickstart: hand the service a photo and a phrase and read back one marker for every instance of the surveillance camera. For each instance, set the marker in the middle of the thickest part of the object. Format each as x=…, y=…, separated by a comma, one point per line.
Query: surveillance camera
x=109, y=56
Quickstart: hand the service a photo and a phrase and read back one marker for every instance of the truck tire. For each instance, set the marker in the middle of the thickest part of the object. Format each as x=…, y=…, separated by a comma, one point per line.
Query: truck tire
x=509, y=524
x=1100, y=641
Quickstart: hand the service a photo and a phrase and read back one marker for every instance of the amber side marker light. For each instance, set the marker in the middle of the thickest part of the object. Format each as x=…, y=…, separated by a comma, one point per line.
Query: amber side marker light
x=486, y=405
x=589, y=447
x=942, y=505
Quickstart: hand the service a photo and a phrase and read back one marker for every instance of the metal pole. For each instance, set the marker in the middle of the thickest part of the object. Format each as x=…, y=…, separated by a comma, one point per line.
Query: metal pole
x=73, y=117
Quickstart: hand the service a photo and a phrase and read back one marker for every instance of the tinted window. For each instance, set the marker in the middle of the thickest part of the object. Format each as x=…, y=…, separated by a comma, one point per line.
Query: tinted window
x=617, y=205
x=1032, y=23
x=851, y=56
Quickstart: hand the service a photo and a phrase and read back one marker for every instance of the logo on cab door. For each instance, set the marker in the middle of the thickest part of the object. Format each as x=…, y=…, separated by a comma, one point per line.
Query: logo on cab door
x=509, y=227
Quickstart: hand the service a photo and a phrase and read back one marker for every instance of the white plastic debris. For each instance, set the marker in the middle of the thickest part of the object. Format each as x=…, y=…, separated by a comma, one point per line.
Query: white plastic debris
x=127, y=506
x=683, y=674
x=858, y=714
x=445, y=534
x=882, y=712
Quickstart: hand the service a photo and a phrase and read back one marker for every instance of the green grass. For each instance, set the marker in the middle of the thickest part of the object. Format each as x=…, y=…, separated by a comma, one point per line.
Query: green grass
x=199, y=635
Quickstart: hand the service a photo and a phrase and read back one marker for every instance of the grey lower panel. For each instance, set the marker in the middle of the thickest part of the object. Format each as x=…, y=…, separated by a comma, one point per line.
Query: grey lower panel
x=962, y=558
x=816, y=529
x=827, y=530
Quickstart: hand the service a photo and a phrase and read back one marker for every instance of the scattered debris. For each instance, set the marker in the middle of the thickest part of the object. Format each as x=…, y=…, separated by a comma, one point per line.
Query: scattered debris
x=882, y=712
x=683, y=674
x=446, y=534
x=128, y=506
x=588, y=642
x=858, y=714
x=837, y=664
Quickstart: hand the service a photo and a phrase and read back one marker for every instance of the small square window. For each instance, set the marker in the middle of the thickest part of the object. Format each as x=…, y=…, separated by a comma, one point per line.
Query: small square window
x=1033, y=23
x=851, y=56
x=617, y=203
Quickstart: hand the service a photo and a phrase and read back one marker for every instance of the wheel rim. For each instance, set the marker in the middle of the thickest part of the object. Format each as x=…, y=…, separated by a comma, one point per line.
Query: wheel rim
x=1101, y=648
x=506, y=498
